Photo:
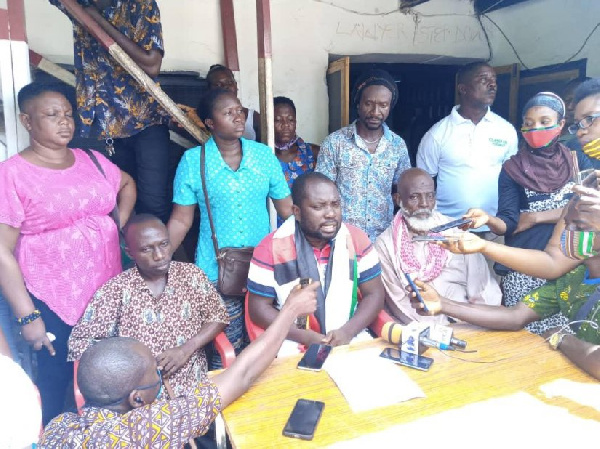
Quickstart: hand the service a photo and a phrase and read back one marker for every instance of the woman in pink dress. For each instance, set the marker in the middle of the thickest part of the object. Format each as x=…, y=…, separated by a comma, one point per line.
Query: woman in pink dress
x=58, y=243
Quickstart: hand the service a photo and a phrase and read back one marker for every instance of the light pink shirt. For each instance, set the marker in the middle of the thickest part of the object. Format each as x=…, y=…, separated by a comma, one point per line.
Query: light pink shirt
x=68, y=245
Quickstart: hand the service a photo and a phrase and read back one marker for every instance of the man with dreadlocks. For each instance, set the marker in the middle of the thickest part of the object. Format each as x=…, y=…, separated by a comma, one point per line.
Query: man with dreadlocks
x=365, y=159
x=464, y=151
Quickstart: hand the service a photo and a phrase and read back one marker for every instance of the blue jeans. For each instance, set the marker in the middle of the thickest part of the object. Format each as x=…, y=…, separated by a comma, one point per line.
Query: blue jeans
x=54, y=377
x=145, y=157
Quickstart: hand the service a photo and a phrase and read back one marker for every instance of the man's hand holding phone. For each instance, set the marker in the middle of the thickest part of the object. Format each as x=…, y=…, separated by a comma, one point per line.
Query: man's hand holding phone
x=433, y=301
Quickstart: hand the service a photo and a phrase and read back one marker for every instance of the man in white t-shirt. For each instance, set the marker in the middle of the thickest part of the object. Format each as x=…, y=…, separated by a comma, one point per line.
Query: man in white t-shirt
x=465, y=150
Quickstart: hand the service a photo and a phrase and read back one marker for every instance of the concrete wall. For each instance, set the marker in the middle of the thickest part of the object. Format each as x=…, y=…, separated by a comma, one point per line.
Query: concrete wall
x=548, y=32
x=307, y=33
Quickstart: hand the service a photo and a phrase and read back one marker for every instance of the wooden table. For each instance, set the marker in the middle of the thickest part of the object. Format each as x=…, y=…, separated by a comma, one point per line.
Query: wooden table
x=521, y=362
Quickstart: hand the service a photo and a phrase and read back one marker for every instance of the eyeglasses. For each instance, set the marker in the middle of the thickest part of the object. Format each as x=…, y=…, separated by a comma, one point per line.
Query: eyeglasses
x=122, y=398
x=584, y=123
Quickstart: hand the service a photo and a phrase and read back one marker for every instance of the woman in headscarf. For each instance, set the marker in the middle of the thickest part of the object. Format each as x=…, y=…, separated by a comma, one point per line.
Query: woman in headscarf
x=533, y=188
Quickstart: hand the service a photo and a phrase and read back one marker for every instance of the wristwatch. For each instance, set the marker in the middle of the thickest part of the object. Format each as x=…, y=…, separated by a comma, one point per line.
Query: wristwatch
x=556, y=339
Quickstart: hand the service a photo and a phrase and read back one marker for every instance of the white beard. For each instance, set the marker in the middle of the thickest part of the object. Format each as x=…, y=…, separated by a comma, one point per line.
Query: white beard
x=418, y=224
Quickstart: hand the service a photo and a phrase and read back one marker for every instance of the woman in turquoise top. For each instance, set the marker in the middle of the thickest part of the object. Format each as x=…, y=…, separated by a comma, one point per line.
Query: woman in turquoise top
x=240, y=176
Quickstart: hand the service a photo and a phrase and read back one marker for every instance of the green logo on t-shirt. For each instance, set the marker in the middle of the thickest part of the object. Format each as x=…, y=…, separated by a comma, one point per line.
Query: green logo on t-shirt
x=498, y=142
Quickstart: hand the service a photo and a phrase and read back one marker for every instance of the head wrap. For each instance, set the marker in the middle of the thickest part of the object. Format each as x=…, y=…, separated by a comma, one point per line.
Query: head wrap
x=375, y=77
x=548, y=99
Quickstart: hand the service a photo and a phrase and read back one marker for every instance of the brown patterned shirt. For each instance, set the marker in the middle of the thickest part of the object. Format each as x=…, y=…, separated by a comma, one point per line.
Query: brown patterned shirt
x=125, y=307
x=162, y=424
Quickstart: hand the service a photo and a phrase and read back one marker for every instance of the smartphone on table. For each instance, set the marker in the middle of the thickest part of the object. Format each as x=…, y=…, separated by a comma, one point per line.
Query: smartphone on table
x=451, y=224
x=304, y=419
x=416, y=290
x=314, y=357
x=419, y=362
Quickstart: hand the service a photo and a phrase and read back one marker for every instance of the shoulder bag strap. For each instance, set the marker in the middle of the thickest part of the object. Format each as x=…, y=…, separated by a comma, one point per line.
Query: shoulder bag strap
x=114, y=214
x=95, y=160
x=210, y=219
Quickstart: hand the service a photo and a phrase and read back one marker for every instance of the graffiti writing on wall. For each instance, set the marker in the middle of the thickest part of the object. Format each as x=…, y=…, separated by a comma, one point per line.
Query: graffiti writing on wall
x=400, y=31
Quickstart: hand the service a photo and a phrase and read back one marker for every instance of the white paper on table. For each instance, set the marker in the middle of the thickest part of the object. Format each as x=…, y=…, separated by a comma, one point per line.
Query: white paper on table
x=533, y=423
x=582, y=393
x=368, y=381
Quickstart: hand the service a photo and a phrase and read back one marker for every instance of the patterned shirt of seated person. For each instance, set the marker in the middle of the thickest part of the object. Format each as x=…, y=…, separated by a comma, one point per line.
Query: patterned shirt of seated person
x=125, y=307
x=159, y=424
x=276, y=267
x=568, y=294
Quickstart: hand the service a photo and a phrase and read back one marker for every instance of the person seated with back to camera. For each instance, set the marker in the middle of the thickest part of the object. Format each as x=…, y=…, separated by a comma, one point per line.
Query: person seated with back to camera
x=120, y=382
x=171, y=307
x=315, y=244
x=463, y=278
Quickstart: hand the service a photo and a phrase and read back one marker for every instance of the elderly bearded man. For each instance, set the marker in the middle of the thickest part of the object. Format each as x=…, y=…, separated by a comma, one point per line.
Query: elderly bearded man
x=463, y=278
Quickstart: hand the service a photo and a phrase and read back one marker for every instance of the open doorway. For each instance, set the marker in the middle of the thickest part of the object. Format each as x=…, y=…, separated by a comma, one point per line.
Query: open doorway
x=425, y=96
x=427, y=91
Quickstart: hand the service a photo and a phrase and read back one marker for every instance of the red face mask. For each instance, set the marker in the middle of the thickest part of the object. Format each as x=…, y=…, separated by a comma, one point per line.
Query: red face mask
x=541, y=137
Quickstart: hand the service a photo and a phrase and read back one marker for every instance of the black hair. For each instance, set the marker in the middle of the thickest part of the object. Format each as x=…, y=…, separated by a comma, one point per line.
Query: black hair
x=374, y=77
x=207, y=103
x=137, y=219
x=33, y=90
x=465, y=73
x=110, y=369
x=300, y=185
x=284, y=100
x=586, y=89
x=215, y=68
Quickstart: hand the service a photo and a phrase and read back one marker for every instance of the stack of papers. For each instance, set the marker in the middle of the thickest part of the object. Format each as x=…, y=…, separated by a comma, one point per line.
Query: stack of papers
x=368, y=381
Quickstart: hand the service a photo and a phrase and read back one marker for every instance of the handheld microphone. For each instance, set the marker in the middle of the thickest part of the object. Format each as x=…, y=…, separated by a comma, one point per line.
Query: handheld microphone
x=458, y=343
x=436, y=344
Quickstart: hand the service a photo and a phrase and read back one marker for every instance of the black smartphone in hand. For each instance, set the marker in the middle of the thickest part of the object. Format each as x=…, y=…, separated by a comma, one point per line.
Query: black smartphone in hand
x=314, y=357
x=451, y=224
x=304, y=419
x=416, y=290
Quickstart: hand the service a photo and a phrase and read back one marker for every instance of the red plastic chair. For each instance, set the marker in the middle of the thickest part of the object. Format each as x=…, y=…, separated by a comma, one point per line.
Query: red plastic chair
x=254, y=330
x=222, y=345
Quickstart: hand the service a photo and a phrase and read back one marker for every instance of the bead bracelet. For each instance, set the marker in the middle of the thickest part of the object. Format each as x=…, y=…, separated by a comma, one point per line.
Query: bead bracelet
x=29, y=318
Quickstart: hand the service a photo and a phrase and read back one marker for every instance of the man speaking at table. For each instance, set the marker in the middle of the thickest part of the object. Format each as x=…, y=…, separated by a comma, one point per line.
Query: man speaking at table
x=315, y=244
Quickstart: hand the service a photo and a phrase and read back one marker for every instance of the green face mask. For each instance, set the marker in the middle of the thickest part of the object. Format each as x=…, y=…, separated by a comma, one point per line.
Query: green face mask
x=578, y=245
